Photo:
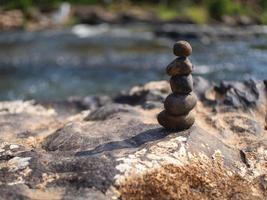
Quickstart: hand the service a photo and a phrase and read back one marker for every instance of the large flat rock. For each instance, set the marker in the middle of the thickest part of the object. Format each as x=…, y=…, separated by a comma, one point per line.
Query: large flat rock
x=118, y=151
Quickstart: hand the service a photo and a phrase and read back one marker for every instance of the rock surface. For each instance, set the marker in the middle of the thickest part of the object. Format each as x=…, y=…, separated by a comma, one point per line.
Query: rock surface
x=119, y=151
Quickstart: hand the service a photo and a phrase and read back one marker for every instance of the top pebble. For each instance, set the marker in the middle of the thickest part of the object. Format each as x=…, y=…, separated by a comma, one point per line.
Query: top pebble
x=182, y=48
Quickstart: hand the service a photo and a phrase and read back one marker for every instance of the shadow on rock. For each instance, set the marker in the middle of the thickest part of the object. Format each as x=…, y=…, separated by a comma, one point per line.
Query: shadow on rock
x=133, y=142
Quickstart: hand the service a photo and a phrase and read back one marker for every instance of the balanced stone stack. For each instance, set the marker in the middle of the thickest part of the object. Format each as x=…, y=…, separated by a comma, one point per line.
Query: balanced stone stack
x=179, y=104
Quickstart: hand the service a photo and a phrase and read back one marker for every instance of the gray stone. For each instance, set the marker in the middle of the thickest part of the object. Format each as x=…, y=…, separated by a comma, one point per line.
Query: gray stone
x=104, y=112
x=150, y=93
x=181, y=84
x=180, y=104
x=244, y=95
x=172, y=122
x=180, y=66
x=119, y=125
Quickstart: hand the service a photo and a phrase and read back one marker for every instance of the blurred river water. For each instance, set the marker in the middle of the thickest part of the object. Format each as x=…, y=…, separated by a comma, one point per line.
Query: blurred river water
x=92, y=60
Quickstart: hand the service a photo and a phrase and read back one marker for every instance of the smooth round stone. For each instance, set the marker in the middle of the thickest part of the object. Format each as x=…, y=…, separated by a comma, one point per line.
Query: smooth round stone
x=182, y=84
x=180, y=66
x=180, y=104
x=182, y=48
x=180, y=123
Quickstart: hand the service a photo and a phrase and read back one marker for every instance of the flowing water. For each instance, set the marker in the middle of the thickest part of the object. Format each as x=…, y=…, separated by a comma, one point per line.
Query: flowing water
x=56, y=64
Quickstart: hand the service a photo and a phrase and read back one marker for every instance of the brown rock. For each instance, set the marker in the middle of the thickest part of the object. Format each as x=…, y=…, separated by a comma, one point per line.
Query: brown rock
x=181, y=84
x=179, y=104
x=182, y=48
x=11, y=19
x=182, y=122
x=180, y=66
x=83, y=159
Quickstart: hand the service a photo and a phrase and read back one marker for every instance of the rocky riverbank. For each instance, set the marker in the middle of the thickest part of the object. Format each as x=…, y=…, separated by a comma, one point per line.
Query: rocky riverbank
x=103, y=148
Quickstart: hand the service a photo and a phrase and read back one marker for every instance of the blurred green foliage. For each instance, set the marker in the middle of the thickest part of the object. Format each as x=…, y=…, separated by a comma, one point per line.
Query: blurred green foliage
x=263, y=4
x=200, y=11
x=218, y=8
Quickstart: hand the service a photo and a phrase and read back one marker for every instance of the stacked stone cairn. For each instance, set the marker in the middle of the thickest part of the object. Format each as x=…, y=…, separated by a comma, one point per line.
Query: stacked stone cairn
x=179, y=104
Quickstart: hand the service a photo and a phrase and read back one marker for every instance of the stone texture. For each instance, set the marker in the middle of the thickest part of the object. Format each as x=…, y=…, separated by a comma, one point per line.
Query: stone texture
x=180, y=104
x=246, y=94
x=182, y=48
x=180, y=66
x=101, y=153
x=181, y=122
x=105, y=112
x=148, y=96
x=182, y=84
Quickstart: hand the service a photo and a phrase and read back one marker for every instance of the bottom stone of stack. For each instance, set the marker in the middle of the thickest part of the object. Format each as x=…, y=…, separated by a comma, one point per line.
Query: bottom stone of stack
x=173, y=122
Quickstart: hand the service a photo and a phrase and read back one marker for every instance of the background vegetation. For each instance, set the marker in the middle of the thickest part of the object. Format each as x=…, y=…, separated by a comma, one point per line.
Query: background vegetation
x=199, y=11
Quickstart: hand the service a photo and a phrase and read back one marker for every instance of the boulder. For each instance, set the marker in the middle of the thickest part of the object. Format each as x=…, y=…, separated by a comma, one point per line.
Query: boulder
x=101, y=153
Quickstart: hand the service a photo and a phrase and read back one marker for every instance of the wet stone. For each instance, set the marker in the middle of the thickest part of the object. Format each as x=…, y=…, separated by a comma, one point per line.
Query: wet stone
x=181, y=84
x=179, y=104
x=180, y=66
